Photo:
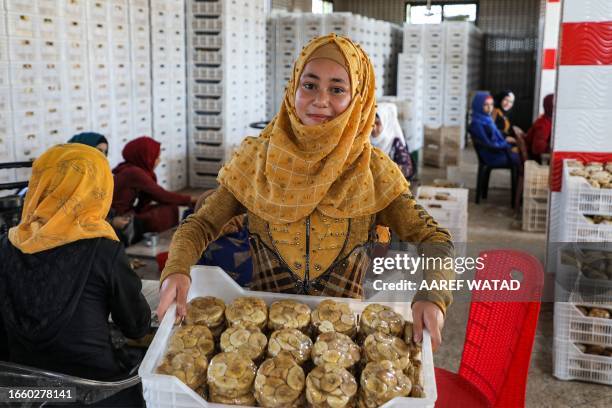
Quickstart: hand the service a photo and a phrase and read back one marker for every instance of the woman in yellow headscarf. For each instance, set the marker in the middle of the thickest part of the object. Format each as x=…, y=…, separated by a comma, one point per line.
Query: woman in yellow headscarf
x=62, y=271
x=314, y=188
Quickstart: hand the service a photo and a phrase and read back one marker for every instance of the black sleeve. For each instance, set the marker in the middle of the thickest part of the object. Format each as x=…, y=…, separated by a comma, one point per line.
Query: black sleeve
x=3, y=341
x=129, y=308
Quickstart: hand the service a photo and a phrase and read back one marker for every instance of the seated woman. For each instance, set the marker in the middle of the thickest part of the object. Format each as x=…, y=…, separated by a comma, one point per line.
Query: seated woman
x=387, y=136
x=483, y=129
x=313, y=188
x=91, y=139
x=538, y=136
x=136, y=189
x=504, y=101
x=63, y=271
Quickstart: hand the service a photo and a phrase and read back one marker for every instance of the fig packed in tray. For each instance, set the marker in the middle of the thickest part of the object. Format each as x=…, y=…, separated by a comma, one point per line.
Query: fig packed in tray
x=287, y=355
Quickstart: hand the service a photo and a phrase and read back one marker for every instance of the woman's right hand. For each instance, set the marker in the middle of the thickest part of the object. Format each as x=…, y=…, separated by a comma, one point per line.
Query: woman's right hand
x=510, y=139
x=174, y=287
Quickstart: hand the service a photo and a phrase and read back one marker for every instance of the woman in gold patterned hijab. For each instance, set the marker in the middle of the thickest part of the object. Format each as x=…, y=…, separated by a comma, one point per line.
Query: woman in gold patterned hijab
x=63, y=272
x=69, y=196
x=313, y=188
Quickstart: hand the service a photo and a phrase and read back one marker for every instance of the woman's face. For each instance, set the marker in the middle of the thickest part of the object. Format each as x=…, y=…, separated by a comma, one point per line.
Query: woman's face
x=157, y=161
x=487, y=107
x=103, y=147
x=508, y=102
x=324, y=92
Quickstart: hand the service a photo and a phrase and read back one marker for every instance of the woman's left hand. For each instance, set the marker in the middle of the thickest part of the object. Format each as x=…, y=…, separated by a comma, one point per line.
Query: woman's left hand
x=427, y=315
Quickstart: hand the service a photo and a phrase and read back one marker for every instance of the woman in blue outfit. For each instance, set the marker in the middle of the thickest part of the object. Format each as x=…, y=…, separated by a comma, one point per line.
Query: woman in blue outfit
x=484, y=130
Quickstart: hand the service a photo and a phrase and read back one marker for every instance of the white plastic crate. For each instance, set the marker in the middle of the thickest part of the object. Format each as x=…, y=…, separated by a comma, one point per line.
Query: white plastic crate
x=24, y=49
x=119, y=31
x=209, y=23
x=572, y=364
x=577, y=229
x=207, y=57
x=214, y=8
x=26, y=98
x=27, y=122
x=25, y=74
x=168, y=391
x=22, y=25
x=74, y=30
x=579, y=196
x=451, y=213
x=98, y=10
x=211, y=40
x=571, y=325
x=207, y=135
x=120, y=51
x=50, y=51
x=202, y=181
x=207, y=104
x=99, y=51
x=208, y=151
x=49, y=27
x=536, y=180
x=208, y=89
x=119, y=11
x=535, y=214
x=51, y=74
x=5, y=99
x=201, y=165
x=53, y=117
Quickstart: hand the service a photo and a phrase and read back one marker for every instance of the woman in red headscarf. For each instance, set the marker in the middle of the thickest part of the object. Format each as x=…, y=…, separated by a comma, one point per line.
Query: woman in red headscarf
x=137, y=192
x=538, y=137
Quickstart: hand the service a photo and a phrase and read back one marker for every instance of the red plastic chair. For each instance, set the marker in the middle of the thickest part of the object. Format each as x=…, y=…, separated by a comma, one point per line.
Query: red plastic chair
x=499, y=337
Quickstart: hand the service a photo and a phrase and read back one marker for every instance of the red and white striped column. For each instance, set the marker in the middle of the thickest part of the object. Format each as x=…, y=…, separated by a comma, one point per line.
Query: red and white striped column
x=582, y=126
x=552, y=18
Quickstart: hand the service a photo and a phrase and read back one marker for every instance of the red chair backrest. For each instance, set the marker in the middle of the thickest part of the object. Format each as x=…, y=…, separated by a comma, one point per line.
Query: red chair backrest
x=501, y=328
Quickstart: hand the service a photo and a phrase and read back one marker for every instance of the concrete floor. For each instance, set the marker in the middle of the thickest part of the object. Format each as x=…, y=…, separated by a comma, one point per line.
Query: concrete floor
x=493, y=224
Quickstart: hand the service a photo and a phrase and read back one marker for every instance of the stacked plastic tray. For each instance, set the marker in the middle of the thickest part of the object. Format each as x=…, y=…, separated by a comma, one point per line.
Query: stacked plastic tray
x=449, y=207
x=451, y=69
x=289, y=32
x=410, y=89
x=139, y=34
x=7, y=153
x=583, y=342
x=535, y=197
x=226, y=81
x=168, y=91
x=579, y=200
x=33, y=53
x=463, y=43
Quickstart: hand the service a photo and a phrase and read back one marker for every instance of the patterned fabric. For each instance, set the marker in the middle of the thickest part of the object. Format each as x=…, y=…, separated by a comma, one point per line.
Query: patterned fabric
x=69, y=196
x=344, y=278
x=402, y=158
x=231, y=252
x=293, y=169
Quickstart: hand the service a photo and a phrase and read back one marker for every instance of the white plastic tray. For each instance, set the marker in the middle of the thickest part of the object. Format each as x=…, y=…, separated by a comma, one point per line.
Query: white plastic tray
x=168, y=391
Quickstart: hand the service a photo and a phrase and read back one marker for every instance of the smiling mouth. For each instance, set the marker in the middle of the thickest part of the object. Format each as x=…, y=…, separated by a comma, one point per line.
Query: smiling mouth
x=319, y=118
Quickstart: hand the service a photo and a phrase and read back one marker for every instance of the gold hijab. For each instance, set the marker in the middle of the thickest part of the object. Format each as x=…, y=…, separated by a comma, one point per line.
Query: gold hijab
x=69, y=195
x=291, y=169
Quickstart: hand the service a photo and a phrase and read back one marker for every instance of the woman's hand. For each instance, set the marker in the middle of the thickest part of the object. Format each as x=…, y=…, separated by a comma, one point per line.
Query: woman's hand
x=174, y=287
x=510, y=139
x=427, y=315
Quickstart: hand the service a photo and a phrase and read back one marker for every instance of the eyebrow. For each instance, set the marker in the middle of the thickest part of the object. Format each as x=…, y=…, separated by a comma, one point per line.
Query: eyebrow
x=313, y=76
